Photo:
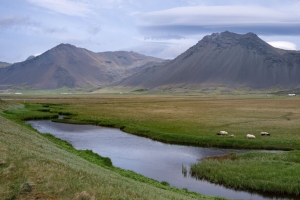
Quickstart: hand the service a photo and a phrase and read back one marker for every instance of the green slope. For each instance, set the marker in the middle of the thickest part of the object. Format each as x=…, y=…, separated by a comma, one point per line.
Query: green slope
x=33, y=166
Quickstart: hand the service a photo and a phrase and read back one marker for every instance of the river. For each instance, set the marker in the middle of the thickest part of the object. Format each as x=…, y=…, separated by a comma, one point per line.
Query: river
x=156, y=160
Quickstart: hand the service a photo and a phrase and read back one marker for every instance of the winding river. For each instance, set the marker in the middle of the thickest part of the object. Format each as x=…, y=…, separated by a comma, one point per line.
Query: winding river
x=152, y=159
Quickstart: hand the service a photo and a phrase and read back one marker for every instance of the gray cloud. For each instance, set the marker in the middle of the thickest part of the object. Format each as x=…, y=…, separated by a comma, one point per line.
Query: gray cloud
x=55, y=30
x=66, y=7
x=164, y=37
x=206, y=19
x=94, y=30
x=266, y=29
x=15, y=22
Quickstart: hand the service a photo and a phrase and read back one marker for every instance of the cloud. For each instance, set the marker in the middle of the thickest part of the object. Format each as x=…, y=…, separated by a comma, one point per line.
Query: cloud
x=134, y=13
x=37, y=54
x=55, y=30
x=283, y=45
x=163, y=48
x=163, y=37
x=207, y=19
x=94, y=30
x=14, y=21
x=66, y=7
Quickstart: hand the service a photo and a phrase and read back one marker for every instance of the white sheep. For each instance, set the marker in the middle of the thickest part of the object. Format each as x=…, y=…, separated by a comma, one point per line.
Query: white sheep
x=223, y=133
x=264, y=133
x=250, y=136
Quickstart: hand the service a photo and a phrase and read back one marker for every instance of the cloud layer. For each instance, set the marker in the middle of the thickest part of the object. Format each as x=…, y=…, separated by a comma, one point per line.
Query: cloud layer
x=67, y=7
x=199, y=19
x=16, y=21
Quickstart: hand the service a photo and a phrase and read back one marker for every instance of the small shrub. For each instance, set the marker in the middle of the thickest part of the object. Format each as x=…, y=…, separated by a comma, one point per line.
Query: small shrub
x=165, y=183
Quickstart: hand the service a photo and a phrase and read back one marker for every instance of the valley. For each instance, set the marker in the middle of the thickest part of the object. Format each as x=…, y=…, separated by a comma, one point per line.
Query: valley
x=190, y=120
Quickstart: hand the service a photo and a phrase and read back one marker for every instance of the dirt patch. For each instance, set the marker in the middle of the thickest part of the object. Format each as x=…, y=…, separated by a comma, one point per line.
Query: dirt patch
x=231, y=156
x=83, y=196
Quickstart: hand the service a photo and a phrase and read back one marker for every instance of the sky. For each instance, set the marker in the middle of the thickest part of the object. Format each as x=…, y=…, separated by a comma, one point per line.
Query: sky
x=160, y=28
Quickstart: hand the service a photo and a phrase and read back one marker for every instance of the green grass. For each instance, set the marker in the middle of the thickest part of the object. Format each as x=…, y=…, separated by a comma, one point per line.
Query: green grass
x=55, y=170
x=188, y=120
x=194, y=120
x=276, y=173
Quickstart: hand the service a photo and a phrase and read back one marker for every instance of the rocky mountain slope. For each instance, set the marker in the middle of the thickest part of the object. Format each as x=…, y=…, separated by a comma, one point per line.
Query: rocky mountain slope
x=227, y=59
x=68, y=66
x=4, y=64
x=30, y=57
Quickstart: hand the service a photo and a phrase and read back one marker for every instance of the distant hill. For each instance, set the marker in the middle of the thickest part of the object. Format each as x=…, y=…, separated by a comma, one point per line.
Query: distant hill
x=30, y=57
x=227, y=59
x=4, y=64
x=68, y=66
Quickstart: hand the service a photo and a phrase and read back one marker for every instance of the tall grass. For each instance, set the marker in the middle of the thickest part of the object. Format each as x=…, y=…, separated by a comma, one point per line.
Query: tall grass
x=276, y=173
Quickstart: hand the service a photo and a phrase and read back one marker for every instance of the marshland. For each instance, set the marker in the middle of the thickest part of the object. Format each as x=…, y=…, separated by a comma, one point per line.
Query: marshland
x=176, y=119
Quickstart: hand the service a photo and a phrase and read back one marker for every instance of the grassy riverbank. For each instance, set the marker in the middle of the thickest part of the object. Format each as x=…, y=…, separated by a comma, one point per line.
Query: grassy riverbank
x=36, y=166
x=191, y=120
x=274, y=173
x=194, y=120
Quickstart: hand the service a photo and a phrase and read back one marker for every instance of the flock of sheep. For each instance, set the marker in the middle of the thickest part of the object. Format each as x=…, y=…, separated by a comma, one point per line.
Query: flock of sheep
x=249, y=136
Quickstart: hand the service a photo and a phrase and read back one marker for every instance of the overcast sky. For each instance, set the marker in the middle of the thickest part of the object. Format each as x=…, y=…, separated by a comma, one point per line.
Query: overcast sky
x=161, y=28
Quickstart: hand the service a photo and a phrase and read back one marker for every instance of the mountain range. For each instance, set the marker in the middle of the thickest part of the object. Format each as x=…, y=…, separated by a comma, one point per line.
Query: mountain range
x=68, y=66
x=227, y=59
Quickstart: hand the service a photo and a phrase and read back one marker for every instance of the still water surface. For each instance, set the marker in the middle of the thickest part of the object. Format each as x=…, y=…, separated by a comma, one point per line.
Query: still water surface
x=156, y=160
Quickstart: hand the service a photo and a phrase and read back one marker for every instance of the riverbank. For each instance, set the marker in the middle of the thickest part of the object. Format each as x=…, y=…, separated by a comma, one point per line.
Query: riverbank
x=274, y=173
x=41, y=166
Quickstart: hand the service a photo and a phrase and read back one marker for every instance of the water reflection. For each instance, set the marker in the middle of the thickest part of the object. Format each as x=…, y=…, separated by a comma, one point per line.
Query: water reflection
x=163, y=162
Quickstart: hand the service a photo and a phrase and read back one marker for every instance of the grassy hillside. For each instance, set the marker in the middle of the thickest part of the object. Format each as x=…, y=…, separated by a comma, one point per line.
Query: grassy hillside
x=33, y=166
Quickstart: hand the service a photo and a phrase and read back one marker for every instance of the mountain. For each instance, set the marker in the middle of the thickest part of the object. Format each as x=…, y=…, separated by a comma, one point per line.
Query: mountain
x=68, y=66
x=4, y=64
x=30, y=57
x=227, y=59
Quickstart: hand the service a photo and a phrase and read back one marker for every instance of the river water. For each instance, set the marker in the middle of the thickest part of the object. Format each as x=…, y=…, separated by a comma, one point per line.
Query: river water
x=156, y=160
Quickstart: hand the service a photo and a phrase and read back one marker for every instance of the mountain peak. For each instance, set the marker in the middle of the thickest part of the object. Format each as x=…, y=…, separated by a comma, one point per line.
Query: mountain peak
x=228, y=59
x=227, y=34
x=228, y=39
x=64, y=46
x=71, y=66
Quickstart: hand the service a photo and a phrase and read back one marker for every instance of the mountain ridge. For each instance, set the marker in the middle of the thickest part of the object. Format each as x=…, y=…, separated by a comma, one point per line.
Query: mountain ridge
x=4, y=64
x=66, y=65
x=228, y=59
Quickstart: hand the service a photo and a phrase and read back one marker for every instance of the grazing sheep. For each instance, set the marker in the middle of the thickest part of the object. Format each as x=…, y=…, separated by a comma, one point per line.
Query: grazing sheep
x=232, y=136
x=264, y=133
x=250, y=136
x=222, y=133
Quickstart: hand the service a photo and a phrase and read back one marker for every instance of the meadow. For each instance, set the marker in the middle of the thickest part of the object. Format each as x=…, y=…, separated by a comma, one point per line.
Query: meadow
x=40, y=166
x=191, y=120
x=195, y=120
